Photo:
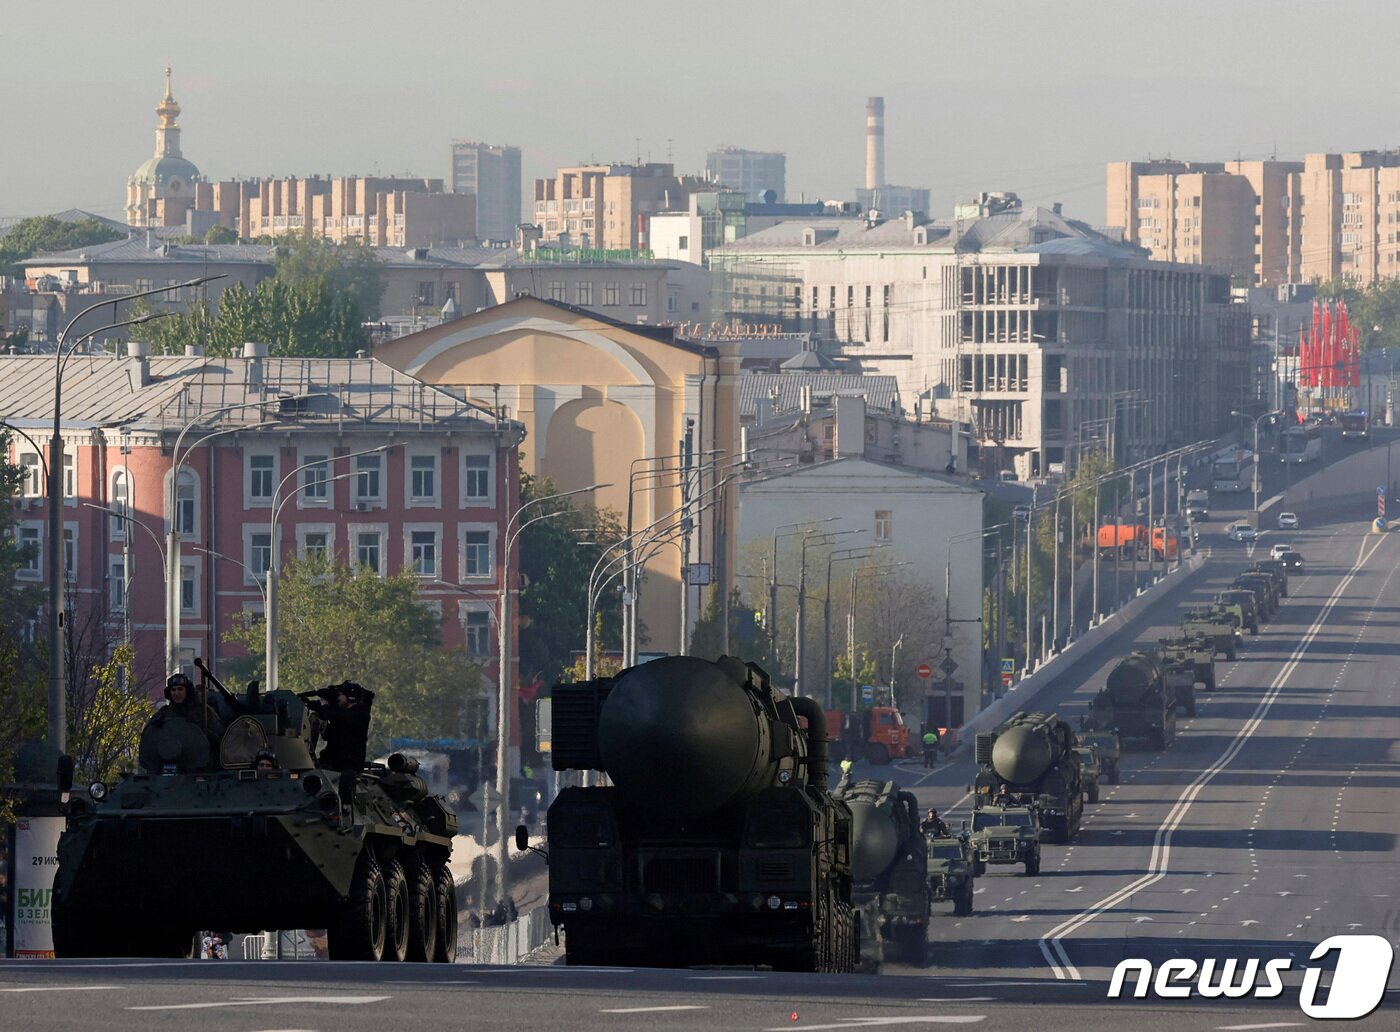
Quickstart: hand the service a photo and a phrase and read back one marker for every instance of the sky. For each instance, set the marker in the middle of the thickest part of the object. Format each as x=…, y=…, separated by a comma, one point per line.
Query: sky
x=1030, y=97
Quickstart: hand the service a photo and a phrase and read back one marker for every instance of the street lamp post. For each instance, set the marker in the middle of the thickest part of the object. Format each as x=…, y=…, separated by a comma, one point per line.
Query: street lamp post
x=839, y=556
x=1255, y=420
x=800, y=632
x=851, y=622
x=781, y=531
x=58, y=720
x=948, y=619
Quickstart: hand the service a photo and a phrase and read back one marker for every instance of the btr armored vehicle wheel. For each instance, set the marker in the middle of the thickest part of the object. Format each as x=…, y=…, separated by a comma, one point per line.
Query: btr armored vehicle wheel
x=396, y=929
x=446, y=952
x=359, y=931
x=423, y=917
x=1033, y=865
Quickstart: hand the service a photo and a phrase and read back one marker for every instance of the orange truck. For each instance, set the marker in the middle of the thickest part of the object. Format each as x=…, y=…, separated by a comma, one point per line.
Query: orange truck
x=1127, y=539
x=877, y=733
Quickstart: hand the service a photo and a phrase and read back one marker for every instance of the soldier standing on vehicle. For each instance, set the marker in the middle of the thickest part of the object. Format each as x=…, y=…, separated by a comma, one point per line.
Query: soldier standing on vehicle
x=345, y=709
x=934, y=825
x=186, y=704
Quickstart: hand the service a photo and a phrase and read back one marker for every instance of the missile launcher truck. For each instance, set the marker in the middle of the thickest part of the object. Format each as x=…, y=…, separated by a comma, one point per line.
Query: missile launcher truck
x=1031, y=758
x=1136, y=702
x=890, y=868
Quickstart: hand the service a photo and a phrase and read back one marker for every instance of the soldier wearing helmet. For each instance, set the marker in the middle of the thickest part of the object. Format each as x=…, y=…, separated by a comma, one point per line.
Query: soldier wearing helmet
x=186, y=703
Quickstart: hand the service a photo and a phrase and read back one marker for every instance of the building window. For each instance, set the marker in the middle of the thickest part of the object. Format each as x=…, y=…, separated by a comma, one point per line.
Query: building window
x=556, y=290
x=30, y=544
x=612, y=294
x=315, y=544
x=70, y=550
x=638, y=294
x=478, y=478
x=478, y=626
x=367, y=483
x=584, y=294
x=367, y=550
x=315, y=478
x=70, y=476
x=423, y=552
x=188, y=591
x=185, y=496
x=422, y=485
x=261, y=470
x=32, y=486
x=683, y=243
x=884, y=525
x=117, y=581
x=476, y=553
x=121, y=498
x=426, y=295
x=259, y=553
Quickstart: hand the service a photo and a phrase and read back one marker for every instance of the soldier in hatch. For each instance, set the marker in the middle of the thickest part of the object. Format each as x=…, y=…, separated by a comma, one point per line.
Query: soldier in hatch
x=186, y=704
x=345, y=710
x=934, y=825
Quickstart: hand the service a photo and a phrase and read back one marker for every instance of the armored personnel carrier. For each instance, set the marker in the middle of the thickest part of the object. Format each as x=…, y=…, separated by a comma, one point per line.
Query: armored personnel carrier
x=717, y=841
x=1217, y=627
x=1006, y=835
x=1265, y=587
x=1136, y=702
x=1245, y=606
x=1031, y=757
x=950, y=875
x=891, y=870
x=1193, y=649
x=1108, y=749
x=196, y=840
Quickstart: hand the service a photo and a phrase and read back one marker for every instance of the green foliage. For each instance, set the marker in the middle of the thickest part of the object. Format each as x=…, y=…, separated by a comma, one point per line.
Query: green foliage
x=22, y=667
x=867, y=672
x=747, y=637
x=353, y=271
x=45, y=234
x=336, y=624
x=1374, y=311
x=104, y=732
x=556, y=557
x=220, y=235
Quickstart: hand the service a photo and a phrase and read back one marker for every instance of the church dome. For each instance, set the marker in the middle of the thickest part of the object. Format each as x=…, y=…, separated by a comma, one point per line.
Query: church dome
x=170, y=171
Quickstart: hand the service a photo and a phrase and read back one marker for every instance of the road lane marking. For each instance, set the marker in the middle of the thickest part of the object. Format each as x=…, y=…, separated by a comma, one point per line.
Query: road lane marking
x=922, y=1019
x=261, y=1001
x=1051, y=944
x=58, y=988
x=652, y=1010
x=1248, y=1028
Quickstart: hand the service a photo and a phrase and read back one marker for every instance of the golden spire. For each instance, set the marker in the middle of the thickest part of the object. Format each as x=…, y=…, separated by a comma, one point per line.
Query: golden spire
x=167, y=108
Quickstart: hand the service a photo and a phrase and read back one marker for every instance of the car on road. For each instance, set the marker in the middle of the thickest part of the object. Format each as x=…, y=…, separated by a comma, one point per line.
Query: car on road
x=1021, y=513
x=1279, y=549
x=1242, y=532
x=1288, y=521
x=1292, y=560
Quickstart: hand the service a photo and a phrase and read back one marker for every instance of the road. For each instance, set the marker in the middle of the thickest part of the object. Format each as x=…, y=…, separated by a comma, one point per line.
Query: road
x=1269, y=825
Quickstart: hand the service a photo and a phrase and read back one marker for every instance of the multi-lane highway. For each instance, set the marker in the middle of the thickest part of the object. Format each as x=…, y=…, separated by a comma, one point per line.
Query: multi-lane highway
x=1268, y=826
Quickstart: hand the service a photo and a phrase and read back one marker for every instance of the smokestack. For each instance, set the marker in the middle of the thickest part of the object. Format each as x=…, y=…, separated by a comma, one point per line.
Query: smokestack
x=874, y=143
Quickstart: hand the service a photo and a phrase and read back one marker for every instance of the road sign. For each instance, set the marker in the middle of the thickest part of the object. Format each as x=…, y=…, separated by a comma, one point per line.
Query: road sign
x=948, y=666
x=925, y=671
x=867, y=693
x=1008, y=666
x=1007, y=678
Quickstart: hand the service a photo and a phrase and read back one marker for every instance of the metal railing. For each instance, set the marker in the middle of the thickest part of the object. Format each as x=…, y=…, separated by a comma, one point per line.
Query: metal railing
x=512, y=942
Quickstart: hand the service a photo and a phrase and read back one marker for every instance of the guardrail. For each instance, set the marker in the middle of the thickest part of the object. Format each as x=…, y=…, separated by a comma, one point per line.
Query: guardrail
x=510, y=943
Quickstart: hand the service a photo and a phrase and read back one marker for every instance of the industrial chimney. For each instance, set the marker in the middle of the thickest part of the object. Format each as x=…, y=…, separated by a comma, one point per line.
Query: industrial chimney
x=874, y=143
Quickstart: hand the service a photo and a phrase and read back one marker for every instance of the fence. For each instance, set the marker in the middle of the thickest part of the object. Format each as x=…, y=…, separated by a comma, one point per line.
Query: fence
x=508, y=943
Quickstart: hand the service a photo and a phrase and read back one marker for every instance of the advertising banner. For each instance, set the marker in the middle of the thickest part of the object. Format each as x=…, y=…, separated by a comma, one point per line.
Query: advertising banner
x=36, y=863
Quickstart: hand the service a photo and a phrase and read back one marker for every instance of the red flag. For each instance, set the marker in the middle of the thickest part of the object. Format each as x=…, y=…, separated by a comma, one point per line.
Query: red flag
x=1355, y=359
x=1303, y=373
x=1327, y=352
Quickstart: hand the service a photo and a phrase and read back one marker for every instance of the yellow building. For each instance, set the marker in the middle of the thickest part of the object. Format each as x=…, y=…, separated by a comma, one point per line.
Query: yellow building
x=596, y=396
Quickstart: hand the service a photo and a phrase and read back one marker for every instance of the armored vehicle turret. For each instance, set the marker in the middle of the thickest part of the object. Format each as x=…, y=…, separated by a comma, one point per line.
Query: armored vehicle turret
x=1031, y=758
x=890, y=867
x=717, y=841
x=255, y=836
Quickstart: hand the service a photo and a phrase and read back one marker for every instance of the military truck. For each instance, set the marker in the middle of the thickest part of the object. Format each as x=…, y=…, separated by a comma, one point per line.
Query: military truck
x=1216, y=627
x=1108, y=748
x=1136, y=702
x=1005, y=834
x=1277, y=567
x=1196, y=649
x=1265, y=591
x=1245, y=602
x=1179, y=676
x=890, y=867
x=1089, y=771
x=1031, y=757
x=950, y=872
x=195, y=840
x=717, y=841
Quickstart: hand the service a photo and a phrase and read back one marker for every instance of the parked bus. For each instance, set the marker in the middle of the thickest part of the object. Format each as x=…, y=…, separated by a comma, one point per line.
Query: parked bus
x=1301, y=443
x=1232, y=470
x=1354, y=426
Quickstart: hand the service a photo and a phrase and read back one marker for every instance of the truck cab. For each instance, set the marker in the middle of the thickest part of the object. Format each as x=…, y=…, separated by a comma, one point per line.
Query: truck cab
x=1006, y=835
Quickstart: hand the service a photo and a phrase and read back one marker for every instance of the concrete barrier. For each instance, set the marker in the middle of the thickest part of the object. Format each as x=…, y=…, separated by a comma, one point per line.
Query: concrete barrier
x=1020, y=695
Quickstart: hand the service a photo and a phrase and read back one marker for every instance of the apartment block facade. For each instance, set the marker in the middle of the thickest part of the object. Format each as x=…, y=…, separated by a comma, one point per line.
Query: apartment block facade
x=1329, y=216
x=752, y=173
x=609, y=206
x=491, y=173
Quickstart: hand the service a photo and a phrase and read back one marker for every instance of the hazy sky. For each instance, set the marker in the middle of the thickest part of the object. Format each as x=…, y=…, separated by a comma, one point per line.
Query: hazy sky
x=1032, y=97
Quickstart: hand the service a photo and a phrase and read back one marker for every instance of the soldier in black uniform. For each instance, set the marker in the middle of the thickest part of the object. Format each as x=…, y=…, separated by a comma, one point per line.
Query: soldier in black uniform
x=934, y=825
x=186, y=704
x=345, y=709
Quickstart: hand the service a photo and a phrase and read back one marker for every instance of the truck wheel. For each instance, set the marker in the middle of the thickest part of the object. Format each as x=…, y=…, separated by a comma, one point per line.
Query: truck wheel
x=1033, y=866
x=422, y=909
x=358, y=931
x=1230, y=651
x=396, y=931
x=1113, y=775
x=979, y=868
x=1093, y=791
x=446, y=895
x=1254, y=628
x=877, y=754
x=1191, y=706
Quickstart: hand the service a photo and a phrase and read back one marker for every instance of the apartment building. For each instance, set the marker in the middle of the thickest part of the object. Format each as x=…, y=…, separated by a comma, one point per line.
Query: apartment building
x=491, y=173
x=436, y=501
x=1031, y=327
x=609, y=206
x=1268, y=223
x=753, y=173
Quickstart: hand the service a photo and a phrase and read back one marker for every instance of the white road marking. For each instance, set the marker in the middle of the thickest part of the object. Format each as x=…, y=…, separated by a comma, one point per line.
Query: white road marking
x=958, y=999
x=927, y=1019
x=59, y=988
x=1247, y=1028
x=723, y=978
x=262, y=1001
x=1051, y=944
x=652, y=1010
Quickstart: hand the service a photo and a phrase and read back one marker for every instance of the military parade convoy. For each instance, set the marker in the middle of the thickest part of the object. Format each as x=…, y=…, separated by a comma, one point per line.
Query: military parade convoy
x=702, y=829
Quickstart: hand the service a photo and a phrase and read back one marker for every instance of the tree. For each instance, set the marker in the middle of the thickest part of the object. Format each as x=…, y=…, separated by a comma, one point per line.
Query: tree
x=351, y=269
x=866, y=673
x=45, y=234
x=747, y=637
x=338, y=623
x=556, y=557
x=220, y=235
x=105, y=730
x=22, y=667
x=1373, y=310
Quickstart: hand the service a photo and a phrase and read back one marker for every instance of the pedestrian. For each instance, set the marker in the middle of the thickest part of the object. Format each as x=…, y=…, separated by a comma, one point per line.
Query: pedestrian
x=846, y=766
x=930, y=742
